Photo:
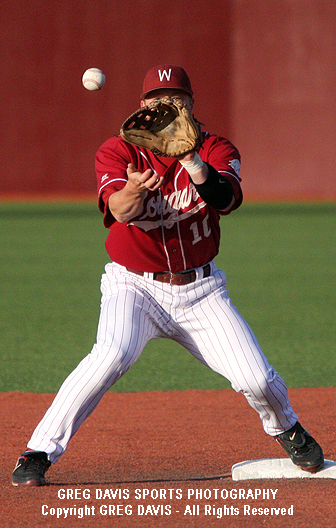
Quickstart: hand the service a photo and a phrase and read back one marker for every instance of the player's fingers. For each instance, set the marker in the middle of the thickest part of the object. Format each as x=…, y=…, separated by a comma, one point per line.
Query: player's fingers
x=157, y=182
x=136, y=176
x=148, y=178
x=151, y=179
x=147, y=175
x=131, y=168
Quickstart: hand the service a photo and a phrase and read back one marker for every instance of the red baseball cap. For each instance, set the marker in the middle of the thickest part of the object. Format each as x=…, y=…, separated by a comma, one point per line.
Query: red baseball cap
x=166, y=76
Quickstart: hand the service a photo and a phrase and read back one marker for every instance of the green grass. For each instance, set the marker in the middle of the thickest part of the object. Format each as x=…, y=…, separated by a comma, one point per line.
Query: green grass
x=280, y=261
x=282, y=276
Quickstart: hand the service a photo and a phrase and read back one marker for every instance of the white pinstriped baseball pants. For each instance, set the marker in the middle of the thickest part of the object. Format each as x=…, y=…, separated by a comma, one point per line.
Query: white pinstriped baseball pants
x=199, y=316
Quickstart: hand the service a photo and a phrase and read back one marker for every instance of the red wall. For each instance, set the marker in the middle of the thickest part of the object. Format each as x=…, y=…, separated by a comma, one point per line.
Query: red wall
x=284, y=102
x=263, y=73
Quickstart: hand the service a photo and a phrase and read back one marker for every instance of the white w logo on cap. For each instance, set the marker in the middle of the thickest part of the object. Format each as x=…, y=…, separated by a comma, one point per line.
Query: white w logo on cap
x=164, y=73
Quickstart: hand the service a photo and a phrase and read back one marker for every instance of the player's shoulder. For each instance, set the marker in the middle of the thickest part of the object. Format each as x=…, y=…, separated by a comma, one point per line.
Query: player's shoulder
x=116, y=148
x=115, y=143
x=213, y=143
x=214, y=139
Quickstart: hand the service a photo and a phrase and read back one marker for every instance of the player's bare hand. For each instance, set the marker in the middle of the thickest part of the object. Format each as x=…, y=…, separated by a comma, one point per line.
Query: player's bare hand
x=145, y=181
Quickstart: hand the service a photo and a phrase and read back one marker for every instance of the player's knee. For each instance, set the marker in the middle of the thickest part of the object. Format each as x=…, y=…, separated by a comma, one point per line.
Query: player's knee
x=112, y=360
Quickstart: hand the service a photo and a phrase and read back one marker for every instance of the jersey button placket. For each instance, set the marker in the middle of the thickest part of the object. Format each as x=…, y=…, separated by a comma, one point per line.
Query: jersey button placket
x=175, y=256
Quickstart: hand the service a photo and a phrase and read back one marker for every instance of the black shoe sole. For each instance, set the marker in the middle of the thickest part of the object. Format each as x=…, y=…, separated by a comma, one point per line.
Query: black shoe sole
x=29, y=483
x=312, y=469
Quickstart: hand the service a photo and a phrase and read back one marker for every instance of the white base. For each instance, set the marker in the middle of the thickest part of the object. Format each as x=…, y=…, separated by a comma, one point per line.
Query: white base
x=270, y=468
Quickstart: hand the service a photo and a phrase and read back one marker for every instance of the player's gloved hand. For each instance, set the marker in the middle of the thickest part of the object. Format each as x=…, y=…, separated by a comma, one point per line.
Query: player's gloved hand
x=165, y=126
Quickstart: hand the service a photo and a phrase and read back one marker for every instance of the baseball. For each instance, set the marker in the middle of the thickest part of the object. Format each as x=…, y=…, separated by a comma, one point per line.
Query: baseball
x=93, y=79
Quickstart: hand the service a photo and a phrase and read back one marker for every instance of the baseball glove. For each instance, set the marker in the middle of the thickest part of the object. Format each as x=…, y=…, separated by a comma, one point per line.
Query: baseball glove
x=165, y=127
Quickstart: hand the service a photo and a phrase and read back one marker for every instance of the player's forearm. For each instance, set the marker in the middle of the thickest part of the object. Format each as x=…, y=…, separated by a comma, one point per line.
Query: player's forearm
x=125, y=205
x=214, y=188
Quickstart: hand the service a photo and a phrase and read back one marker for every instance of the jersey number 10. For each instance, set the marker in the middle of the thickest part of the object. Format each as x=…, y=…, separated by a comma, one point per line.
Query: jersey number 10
x=206, y=230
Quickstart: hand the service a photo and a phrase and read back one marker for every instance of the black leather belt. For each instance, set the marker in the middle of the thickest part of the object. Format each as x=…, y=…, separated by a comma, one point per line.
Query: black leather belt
x=176, y=279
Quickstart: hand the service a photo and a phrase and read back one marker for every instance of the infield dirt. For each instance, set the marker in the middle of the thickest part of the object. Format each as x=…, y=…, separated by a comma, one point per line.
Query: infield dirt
x=159, y=456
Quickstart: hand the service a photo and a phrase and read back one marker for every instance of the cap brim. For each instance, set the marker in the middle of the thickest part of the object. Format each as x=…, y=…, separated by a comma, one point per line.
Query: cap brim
x=145, y=94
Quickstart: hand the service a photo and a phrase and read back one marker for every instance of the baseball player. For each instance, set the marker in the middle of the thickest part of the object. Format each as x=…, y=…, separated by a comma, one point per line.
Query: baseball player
x=163, y=218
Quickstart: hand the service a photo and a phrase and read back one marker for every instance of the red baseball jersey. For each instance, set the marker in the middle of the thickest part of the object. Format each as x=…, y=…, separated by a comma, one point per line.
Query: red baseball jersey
x=176, y=229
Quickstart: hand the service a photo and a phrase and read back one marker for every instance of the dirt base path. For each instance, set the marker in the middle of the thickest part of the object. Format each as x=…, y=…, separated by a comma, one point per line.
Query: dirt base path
x=154, y=459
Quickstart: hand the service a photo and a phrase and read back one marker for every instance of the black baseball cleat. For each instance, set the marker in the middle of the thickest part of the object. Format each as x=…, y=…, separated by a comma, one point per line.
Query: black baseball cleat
x=30, y=469
x=302, y=448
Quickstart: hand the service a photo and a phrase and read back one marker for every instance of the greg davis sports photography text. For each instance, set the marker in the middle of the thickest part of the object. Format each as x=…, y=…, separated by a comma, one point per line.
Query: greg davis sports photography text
x=143, y=502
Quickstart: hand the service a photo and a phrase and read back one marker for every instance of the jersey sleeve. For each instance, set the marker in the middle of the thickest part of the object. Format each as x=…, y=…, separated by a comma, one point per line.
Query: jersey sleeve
x=225, y=158
x=110, y=164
